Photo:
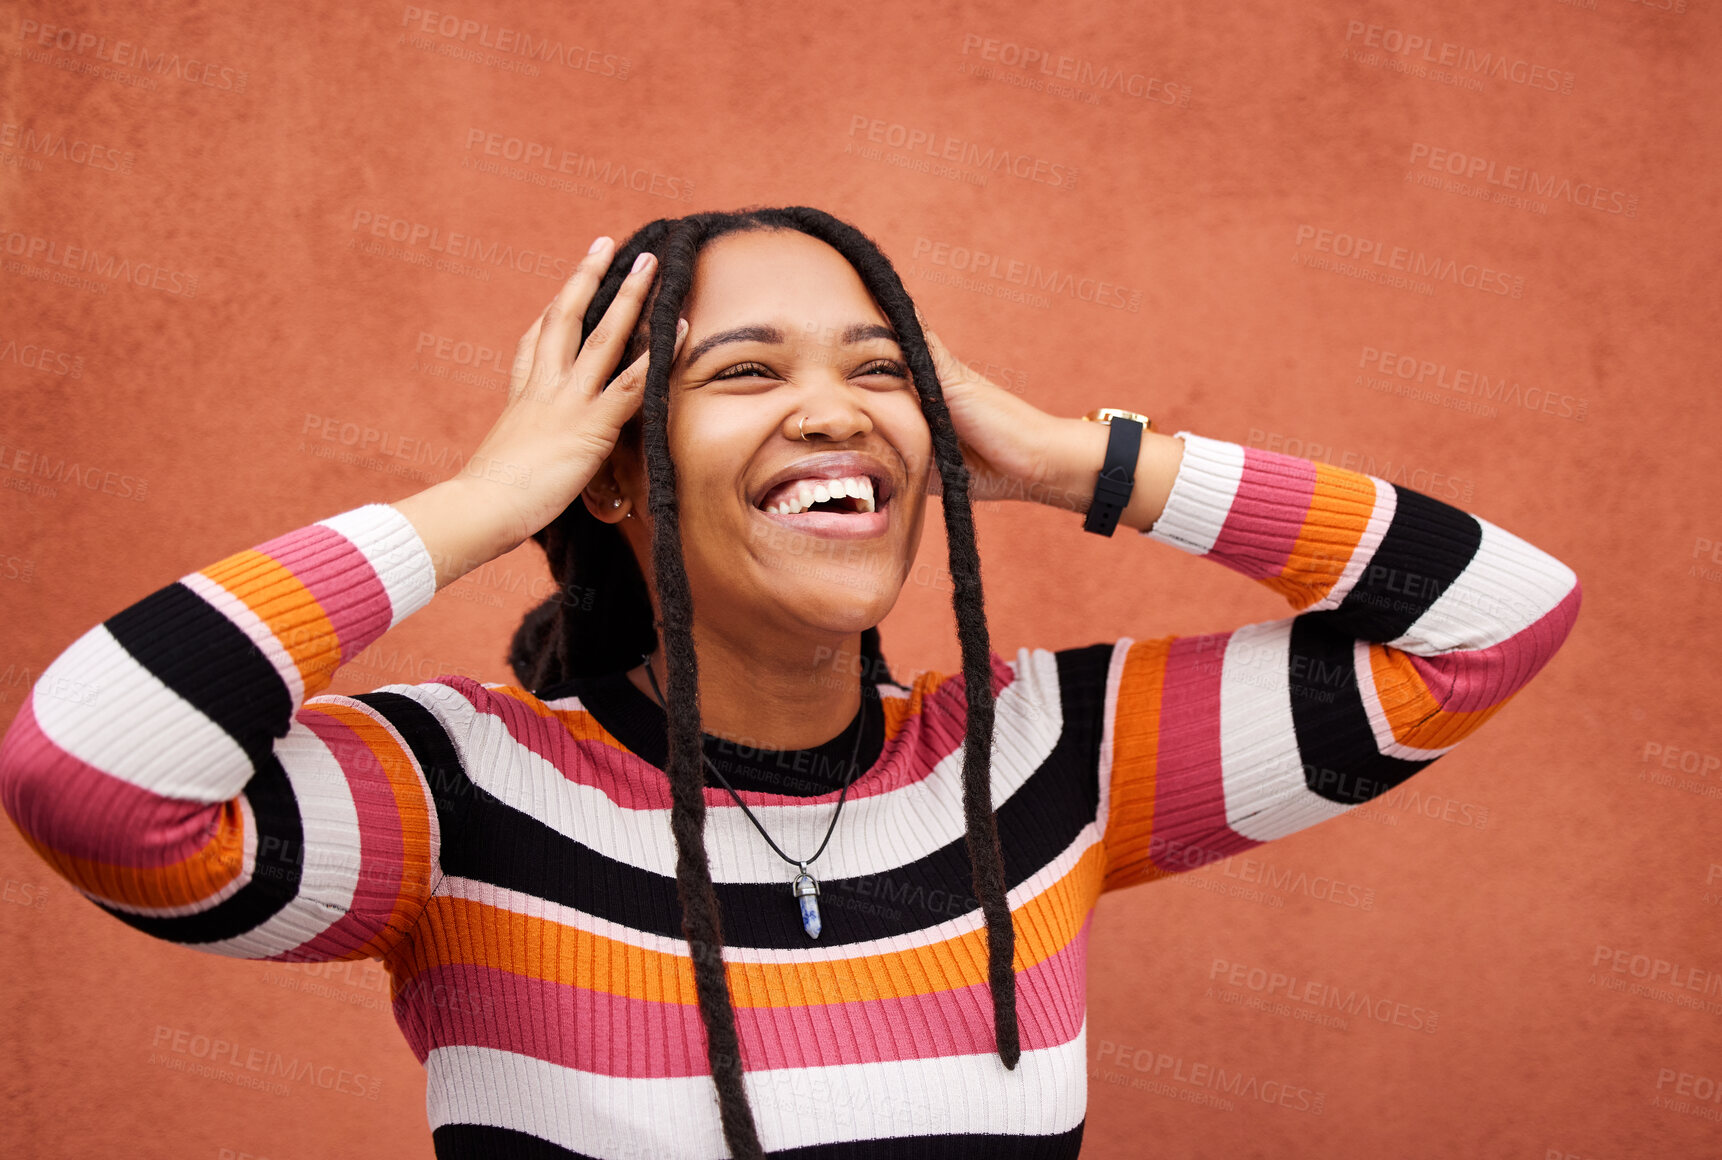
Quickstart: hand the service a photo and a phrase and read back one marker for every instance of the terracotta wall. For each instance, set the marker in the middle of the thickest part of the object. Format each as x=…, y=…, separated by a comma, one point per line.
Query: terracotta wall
x=1533, y=918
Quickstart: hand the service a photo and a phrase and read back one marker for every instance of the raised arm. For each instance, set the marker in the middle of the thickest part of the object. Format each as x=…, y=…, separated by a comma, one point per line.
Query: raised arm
x=1415, y=623
x=176, y=766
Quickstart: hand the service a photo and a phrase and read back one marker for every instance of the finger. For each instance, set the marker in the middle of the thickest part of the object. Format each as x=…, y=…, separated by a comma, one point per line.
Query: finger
x=522, y=366
x=625, y=393
x=560, y=335
x=600, y=350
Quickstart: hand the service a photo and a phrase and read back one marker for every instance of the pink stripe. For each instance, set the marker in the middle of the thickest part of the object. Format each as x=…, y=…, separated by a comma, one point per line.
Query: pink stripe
x=633, y=1038
x=381, y=878
x=922, y=740
x=1260, y=529
x=1190, y=827
x=72, y=806
x=1473, y=679
x=342, y=580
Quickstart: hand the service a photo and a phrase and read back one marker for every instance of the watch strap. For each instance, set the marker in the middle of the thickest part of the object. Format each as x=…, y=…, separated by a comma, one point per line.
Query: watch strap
x=1117, y=476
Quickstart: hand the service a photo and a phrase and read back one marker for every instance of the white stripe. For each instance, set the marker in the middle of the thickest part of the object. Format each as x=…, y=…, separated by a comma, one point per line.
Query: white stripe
x=1380, y=517
x=247, y=854
x=1201, y=495
x=1266, y=794
x=393, y=547
x=532, y=906
x=99, y=704
x=329, y=870
x=1108, y=718
x=248, y=622
x=1507, y=587
x=879, y=832
x=676, y=1118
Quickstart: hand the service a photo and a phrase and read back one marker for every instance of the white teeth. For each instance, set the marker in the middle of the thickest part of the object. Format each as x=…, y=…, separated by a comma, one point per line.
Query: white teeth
x=808, y=492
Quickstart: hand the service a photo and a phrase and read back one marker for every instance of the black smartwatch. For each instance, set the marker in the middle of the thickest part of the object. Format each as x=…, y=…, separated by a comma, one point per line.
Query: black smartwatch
x=1118, y=473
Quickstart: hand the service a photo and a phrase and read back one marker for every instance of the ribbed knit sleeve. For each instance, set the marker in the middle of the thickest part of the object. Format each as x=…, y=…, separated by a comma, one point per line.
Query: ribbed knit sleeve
x=1415, y=622
x=172, y=766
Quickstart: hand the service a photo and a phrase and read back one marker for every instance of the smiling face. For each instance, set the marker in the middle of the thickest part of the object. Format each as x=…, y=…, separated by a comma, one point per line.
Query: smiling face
x=781, y=328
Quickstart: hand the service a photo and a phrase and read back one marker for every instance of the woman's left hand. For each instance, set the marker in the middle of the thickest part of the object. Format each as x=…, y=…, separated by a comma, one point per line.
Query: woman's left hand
x=1004, y=439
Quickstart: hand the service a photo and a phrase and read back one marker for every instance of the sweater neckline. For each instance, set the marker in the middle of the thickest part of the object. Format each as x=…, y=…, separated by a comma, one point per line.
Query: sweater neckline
x=639, y=723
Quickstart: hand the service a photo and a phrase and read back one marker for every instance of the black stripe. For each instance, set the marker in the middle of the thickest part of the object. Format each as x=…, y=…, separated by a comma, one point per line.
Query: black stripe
x=514, y=851
x=452, y=791
x=175, y=634
x=1335, y=742
x=1427, y=544
x=483, y=1142
x=274, y=878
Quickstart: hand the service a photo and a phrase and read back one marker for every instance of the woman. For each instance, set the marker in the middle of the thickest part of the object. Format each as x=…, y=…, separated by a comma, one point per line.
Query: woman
x=805, y=908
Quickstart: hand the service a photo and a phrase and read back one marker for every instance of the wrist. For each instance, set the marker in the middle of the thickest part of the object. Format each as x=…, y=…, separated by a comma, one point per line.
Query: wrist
x=458, y=521
x=1078, y=452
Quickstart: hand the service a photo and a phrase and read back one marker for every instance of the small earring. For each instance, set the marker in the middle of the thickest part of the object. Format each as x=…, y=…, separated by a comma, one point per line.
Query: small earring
x=615, y=503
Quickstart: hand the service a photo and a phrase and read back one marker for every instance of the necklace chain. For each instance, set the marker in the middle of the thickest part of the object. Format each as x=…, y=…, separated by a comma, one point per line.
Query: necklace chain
x=860, y=728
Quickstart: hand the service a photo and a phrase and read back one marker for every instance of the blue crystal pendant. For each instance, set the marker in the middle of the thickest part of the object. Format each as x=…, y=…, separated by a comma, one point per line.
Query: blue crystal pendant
x=806, y=892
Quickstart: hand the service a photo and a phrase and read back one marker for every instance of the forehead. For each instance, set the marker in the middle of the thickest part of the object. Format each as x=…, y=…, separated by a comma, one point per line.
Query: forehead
x=781, y=276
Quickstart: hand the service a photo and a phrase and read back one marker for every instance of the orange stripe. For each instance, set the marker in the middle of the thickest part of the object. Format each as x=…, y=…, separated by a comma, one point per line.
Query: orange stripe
x=411, y=809
x=182, y=883
x=287, y=608
x=1338, y=514
x=539, y=948
x=1413, y=713
x=899, y=710
x=1135, y=755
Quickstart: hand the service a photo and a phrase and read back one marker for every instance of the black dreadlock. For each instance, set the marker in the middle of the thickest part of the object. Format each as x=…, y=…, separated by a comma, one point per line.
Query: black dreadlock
x=595, y=571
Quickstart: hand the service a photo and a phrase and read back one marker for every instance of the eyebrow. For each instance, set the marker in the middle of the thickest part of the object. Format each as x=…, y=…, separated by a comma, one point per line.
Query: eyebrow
x=859, y=332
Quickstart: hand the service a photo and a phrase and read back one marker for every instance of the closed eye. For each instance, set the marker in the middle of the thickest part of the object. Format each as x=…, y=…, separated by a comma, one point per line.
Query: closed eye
x=753, y=369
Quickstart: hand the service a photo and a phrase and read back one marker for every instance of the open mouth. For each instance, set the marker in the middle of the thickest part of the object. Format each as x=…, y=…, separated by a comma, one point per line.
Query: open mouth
x=850, y=494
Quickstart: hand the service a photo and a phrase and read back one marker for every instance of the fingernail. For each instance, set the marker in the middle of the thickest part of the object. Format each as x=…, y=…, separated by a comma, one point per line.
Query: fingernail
x=640, y=263
x=681, y=329
x=602, y=241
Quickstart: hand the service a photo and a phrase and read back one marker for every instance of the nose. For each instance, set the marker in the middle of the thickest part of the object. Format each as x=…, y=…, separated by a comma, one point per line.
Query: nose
x=830, y=408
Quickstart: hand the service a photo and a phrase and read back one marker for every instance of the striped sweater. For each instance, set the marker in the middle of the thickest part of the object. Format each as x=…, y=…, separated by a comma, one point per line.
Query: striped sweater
x=509, y=858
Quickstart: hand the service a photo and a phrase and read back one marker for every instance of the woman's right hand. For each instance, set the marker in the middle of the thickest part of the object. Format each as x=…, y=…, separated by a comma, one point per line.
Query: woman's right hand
x=559, y=425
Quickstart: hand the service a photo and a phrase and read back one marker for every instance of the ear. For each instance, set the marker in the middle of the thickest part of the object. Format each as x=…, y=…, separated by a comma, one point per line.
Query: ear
x=619, y=477
x=602, y=493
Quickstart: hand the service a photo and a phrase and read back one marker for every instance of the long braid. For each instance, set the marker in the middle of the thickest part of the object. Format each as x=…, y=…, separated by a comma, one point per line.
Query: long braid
x=702, y=925
x=986, y=857
x=554, y=642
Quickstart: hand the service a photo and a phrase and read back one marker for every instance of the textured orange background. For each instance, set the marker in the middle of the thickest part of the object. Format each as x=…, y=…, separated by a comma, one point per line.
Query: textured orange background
x=1548, y=836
